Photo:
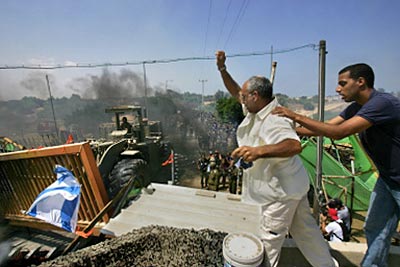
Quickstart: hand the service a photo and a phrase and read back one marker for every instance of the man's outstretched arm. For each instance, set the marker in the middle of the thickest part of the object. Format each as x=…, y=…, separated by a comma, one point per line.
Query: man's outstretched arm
x=229, y=82
x=303, y=131
x=338, y=128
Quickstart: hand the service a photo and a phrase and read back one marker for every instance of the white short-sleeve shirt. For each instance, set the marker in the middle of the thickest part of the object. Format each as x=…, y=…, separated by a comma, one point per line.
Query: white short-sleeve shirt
x=271, y=179
x=335, y=231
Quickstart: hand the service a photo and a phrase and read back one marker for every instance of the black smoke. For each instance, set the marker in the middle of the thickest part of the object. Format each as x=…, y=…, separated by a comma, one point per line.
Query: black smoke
x=112, y=85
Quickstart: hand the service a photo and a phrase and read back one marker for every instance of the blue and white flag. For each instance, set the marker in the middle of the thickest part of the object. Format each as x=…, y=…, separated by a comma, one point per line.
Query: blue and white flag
x=58, y=204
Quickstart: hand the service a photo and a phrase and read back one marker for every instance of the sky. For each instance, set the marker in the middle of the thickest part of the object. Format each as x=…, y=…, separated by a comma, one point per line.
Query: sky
x=66, y=33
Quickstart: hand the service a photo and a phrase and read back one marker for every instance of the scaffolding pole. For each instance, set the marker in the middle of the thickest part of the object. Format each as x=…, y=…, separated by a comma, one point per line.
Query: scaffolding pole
x=320, y=139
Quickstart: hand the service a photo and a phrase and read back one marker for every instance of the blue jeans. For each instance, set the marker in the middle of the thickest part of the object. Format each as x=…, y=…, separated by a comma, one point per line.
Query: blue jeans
x=381, y=222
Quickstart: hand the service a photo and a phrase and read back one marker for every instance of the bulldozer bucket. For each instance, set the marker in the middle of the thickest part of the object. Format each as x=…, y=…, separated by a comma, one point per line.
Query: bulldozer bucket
x=25, y=174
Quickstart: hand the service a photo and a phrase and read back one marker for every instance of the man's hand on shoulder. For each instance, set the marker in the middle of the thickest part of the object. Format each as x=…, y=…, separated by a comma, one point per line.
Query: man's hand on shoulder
x=284, y=112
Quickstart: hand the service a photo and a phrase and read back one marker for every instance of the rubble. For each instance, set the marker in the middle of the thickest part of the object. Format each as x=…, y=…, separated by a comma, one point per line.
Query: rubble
x=151, y=246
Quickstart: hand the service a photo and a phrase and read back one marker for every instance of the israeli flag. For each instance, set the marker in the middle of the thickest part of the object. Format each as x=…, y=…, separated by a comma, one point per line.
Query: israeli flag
x=58, y=204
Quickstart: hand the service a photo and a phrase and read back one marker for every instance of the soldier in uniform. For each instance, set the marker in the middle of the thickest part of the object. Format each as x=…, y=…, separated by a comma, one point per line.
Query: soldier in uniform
x=202, y=167
x=215, y=174
x=224, y=167
x=233, y=173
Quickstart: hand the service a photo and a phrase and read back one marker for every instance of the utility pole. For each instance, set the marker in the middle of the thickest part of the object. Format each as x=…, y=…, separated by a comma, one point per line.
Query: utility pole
x=318, y=194
x=145, y=91
x=52, y=106
x=273, y=70
x=202, y=92
x=272, y=58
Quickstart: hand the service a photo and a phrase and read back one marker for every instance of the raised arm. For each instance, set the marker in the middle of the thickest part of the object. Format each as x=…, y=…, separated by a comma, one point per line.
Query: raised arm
x=229, y=82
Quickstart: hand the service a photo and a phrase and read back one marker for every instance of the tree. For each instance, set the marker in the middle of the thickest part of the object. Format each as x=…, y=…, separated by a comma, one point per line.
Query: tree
x=219, y=94
x=229, y=110
x=284, y=100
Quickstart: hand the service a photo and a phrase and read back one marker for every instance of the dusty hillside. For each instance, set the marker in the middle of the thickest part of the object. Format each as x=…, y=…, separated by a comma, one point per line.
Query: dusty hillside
x=331, y=109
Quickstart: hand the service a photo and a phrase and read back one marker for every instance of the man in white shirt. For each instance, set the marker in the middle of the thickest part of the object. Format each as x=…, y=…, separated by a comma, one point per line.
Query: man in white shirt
x=277, y=181
x=333, y=231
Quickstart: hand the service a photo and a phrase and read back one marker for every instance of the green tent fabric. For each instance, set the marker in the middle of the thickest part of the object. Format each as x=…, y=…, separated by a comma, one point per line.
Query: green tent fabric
x=337, y=179
x=9, y=147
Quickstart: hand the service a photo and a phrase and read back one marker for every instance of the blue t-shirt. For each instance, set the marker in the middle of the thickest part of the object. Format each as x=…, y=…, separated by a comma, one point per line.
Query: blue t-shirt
x=382, y=139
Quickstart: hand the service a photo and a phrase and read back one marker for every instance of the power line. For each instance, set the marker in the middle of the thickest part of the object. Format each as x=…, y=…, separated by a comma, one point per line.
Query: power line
x=239, y=20
x=208, y=24
x=223, y=23
x=156, y=61
x=235, y=25
x=207, y=28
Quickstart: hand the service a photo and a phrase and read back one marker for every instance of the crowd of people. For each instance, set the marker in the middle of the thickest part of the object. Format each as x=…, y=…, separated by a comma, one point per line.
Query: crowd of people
x=219, y=171
x=218, y=134
x=335, y=221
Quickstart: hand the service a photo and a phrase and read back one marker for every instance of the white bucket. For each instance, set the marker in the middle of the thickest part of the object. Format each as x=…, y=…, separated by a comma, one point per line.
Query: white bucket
x=242, y=250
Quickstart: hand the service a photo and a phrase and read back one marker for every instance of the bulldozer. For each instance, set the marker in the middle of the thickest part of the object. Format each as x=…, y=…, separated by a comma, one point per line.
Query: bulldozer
x=138, y=151
x=108, y=170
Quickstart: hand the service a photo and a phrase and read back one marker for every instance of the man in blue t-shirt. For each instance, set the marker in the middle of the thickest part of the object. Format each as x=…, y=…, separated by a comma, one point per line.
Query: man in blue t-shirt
x=376, y=117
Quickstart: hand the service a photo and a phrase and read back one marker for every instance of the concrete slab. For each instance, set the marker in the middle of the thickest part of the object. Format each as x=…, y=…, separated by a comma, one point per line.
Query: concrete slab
x=184, y=207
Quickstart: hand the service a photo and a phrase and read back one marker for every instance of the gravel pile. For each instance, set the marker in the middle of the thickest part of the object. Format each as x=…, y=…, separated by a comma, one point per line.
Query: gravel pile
x=151, y=246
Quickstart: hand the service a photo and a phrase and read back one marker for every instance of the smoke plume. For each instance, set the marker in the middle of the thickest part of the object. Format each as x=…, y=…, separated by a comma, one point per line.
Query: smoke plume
x=36, y=83
x=112, y=85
